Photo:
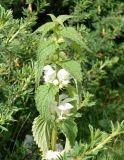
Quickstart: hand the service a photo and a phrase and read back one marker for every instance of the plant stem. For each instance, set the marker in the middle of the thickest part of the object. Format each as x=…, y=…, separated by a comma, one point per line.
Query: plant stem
x=54, y=138
x=78, y=93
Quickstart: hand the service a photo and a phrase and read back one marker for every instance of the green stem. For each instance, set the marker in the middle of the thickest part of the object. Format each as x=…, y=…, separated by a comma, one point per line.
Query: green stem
x=54, y=138
x=78, y=93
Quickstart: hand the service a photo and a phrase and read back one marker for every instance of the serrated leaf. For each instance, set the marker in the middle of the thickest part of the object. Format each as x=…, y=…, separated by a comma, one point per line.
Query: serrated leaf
x=62, y=18
x=69, y=128
x=41, y=131
x=46, y=28
x=45, y=49
x=73, y=68
x=73, y=35
x=45, y=95
x=52, y=17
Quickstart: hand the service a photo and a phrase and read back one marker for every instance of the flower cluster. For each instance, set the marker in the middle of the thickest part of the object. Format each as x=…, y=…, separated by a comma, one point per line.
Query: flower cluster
x=61, y=77
x=60, y=108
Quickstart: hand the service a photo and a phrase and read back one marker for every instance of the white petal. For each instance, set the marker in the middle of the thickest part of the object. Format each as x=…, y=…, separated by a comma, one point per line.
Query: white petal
x=65, y=107
x=50, y=72
x=52, y=155
x=68, y=105
x=47, y=67
x=65, y=82
x=62, y=107
x=49, y=76
x=55, y=82
x=63, y=75
x=47, y=79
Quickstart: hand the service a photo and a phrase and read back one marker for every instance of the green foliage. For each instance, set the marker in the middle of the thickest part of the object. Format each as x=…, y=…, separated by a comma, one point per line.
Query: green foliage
x=45, y=49
x=16, y=80
x=44, y=97
x=71, y=34
x=47, y=94
x=73, y=68
x=62, y=18
x=42, y=131
x=98, y=142
x=69, y=128
x=88, y=43
x=66, y=125
x=46, y=28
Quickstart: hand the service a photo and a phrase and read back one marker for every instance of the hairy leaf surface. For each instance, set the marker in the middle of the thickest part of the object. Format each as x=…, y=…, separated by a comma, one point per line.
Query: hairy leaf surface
x=45, y=95
x=45, y=49
x=41, y=131
x=73, y=68
x=62, y=18
x=69, y=128
x=73, y=35
x=46, y=28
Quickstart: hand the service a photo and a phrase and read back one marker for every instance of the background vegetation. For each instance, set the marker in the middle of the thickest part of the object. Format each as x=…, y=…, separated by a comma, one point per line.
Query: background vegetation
x=101, y=24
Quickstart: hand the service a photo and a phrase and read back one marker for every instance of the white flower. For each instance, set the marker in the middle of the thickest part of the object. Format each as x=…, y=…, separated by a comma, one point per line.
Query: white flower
x=52, y=155
x=55, y=82
x=64, y=110
x=62, y=78
x=65, y=107
x=49, y=74
x=47, y=68
x=63, y=75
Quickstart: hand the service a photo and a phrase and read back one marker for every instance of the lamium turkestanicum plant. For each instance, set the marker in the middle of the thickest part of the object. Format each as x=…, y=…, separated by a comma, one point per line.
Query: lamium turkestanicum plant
x=57, y=78
x=59, y=92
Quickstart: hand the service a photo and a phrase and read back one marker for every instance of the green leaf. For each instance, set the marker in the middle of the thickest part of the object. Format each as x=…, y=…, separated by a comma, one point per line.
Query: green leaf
x=41, y=131
x=52, y=17
x=45, y=49
x=73, y=68
x=46, y=28
x=73, y=35
x=62, y=18
x=5, y=15
x=45, y=95
x=69, y=129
